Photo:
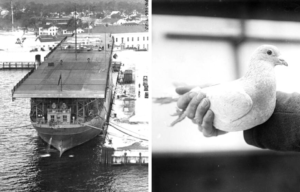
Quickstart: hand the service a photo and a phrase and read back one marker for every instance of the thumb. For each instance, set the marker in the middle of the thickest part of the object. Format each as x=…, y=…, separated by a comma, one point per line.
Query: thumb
x=185, y=89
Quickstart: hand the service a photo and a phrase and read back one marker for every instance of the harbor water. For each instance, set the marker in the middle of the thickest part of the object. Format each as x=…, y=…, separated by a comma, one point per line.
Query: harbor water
x=29, y=164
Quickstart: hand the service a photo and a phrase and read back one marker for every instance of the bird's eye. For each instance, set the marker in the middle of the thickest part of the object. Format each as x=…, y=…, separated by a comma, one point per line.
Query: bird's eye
x=269, y=52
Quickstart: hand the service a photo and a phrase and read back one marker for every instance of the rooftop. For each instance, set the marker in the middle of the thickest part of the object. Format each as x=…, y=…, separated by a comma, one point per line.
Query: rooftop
x=58, y=19
x=118, y=29
x=109, y=20
x=50, y=38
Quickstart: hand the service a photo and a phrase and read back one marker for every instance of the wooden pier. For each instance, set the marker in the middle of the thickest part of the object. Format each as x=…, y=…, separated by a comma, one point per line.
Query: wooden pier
x=17, y=65
x=106, y=155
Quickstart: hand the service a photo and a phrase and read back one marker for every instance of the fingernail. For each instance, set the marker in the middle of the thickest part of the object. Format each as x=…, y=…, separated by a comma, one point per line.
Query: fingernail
x=201, y=96
x=198, y=121
x=192, y=94
x=200, y=128
x=210, y=114
x=204, y=102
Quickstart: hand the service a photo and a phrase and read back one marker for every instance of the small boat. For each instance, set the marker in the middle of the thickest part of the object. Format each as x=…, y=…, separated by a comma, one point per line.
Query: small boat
x=71, y=94
x=18, y=41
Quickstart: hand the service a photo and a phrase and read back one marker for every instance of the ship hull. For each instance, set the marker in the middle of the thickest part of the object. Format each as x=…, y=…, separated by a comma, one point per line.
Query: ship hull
x=64, y=139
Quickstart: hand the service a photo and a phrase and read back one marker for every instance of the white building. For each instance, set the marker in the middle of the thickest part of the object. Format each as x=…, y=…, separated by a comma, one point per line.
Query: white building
x=115, y=13
x=4, y=12
x=121, y=21
x=48, y=30
x=70, y=30
x=54, y=30
x=138, y=40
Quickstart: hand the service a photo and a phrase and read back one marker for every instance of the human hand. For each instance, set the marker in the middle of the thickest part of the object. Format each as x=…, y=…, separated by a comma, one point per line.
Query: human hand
x=195, y=106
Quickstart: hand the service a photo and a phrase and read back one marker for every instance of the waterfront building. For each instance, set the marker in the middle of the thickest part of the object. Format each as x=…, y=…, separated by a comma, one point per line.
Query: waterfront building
x=67, y=30
x=57, y=26
x=132, y=40
x=58, y=30
x=48, y=30
x=57, y=21
x=126, y=37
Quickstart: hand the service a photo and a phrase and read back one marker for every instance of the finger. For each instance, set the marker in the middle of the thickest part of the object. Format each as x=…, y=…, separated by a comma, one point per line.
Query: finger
x=192, y=106
x=207, y=125
x=219, y=132
x=179, y=84
x=179, y=119
x=201, y=110
x=184, y=100
x=184, y=89
x=200, y=127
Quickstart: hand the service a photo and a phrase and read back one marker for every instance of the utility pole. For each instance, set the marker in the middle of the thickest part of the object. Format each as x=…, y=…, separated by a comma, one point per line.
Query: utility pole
x=105, y=44
x=12, y=16
x=89, y=20
x=75, y=34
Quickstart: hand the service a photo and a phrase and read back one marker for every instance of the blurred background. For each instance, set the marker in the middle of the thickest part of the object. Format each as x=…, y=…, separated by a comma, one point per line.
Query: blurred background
x=197, y=42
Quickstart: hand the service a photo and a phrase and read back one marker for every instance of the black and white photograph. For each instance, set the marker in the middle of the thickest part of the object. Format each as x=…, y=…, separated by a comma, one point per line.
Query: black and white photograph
x=75, y=106
x=139, y=95
x=225, y=97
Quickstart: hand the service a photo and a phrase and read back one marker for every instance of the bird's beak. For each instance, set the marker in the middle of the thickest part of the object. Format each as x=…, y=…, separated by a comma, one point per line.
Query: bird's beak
x=282, y=62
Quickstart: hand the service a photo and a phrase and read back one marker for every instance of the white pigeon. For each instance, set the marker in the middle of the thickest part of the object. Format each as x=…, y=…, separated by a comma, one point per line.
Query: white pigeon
x=249, y=101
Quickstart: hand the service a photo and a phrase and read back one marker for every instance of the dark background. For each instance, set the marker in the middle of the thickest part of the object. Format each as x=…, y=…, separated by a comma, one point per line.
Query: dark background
x=258, y=171
x=282, y=10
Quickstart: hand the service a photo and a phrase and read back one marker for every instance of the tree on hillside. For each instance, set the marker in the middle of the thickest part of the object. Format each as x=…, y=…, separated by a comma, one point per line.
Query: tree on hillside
x=99, y=15
x=5, y=23
x=5, y=5
x=125, y=7
x=85, y=25
x=110, y=6
x=29, y=13
x=140, y=7
x=116, y=16
x=97, y=7
x=71, y=23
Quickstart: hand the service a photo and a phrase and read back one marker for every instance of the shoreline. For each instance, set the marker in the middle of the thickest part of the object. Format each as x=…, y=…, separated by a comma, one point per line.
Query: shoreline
x=12, y=52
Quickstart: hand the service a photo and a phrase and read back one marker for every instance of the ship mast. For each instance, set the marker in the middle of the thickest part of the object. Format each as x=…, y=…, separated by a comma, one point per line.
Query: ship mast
x=75, y=34
x=89, y=20
x=12, y=16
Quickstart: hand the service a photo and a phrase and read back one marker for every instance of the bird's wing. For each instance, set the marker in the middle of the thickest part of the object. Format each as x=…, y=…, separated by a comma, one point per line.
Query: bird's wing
x=229, y=102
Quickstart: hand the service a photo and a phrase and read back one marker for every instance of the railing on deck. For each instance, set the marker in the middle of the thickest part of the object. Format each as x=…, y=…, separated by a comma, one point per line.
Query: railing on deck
x=109, y=71
x=53, y=123
x=59, y=110
x=41, y=121
x=58, y=45
x=17, y=65
x=32, y=70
